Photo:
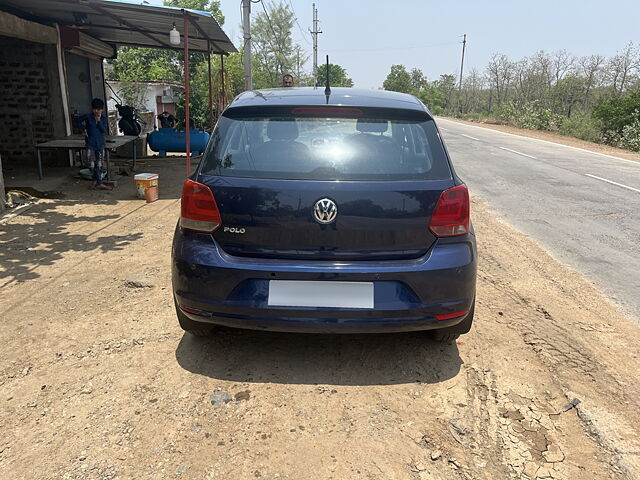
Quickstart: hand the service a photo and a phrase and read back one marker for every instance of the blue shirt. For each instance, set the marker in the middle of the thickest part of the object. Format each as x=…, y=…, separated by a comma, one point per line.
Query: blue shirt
x=95, y=130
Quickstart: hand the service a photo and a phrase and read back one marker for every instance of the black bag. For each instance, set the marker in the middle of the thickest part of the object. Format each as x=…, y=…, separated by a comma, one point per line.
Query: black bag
x=129, y=123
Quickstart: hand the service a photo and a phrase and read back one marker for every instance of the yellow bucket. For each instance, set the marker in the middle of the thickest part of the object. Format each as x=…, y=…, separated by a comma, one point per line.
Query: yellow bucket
x=145, y=181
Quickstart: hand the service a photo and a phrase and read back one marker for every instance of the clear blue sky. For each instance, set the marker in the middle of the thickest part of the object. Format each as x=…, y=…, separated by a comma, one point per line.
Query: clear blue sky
x=367, y=37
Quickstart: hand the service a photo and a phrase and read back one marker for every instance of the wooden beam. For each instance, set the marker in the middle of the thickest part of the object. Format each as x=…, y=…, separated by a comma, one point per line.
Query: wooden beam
x=16, y=27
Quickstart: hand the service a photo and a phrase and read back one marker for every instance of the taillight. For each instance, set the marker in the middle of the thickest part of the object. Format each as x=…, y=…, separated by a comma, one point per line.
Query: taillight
x=198, y=210
x=451, y=215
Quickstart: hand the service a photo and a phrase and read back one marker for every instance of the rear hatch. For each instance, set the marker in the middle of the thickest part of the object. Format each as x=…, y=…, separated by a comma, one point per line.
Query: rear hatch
x=325, y=183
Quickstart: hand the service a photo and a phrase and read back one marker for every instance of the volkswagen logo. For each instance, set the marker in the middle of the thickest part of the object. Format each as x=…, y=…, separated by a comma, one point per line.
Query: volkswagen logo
x=325, y=211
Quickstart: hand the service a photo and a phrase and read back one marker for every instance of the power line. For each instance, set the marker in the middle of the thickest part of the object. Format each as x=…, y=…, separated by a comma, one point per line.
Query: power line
x=295, y=17
x=275, y=37
x=390, y=48
x=276, y=51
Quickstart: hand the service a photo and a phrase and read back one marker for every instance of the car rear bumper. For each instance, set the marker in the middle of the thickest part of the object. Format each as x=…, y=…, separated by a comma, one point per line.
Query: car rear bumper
x=213, y=287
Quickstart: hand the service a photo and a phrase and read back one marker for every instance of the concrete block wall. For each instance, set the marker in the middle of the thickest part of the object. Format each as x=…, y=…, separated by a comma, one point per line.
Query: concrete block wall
x=29, y=97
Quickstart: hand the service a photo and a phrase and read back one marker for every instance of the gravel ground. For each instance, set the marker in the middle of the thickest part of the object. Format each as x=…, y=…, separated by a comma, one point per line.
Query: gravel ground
x=97, y=381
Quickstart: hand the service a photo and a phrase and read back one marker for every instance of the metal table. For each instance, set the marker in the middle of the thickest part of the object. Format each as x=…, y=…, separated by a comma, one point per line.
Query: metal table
x=76, y=142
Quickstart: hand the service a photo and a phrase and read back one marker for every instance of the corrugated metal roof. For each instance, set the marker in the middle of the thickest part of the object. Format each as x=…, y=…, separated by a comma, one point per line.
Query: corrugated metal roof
x=122, y=22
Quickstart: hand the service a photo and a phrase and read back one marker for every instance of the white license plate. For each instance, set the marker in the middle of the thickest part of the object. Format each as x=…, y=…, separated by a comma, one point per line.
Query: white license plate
x=295, y=293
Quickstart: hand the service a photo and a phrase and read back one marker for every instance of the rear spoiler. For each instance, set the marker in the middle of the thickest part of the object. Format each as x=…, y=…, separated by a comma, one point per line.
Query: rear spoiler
x=336, y=111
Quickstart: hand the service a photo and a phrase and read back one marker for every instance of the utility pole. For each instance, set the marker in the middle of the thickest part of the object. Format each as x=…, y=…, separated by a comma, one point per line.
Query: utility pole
x=464, y=44
x=315, y=33
x=246, y=23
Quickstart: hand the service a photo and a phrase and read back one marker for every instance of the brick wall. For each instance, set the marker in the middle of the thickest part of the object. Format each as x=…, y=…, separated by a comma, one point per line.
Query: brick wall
x=26, y=104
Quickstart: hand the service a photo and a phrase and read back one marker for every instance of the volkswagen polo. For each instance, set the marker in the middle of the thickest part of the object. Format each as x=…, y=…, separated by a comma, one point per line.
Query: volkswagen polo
x=328, y=213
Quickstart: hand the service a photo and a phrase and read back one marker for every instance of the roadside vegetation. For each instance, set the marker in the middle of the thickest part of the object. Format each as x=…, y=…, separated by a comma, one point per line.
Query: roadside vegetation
x=275, y=53
x=592, y=98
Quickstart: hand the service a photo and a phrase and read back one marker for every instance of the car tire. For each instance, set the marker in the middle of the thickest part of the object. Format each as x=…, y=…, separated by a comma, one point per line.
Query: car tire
x=451, y=334
x=197, y=329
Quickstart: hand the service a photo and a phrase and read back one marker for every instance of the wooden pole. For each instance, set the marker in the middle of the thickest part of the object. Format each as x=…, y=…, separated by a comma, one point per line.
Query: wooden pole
x=186, y=92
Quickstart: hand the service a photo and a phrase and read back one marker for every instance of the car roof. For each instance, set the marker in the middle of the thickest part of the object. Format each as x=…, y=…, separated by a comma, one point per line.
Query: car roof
x=303, y=96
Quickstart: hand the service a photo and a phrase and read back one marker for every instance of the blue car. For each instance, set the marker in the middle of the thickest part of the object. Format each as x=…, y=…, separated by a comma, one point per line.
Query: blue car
x=337, y=213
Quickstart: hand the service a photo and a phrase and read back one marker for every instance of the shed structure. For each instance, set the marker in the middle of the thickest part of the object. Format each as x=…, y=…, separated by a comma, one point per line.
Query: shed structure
x=51, y=60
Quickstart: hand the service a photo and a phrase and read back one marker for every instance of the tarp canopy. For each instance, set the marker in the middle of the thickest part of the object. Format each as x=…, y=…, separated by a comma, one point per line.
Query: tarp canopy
x=121, y=22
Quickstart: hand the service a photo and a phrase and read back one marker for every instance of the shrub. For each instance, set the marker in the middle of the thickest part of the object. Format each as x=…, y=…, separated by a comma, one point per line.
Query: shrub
x=631, y=136
x=506, y=112
x=582, y=125
x=530, y=115
x=616, y=113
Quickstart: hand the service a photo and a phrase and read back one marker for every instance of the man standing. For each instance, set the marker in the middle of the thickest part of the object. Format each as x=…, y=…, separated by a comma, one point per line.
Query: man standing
x=287, y=80
x=95, y=126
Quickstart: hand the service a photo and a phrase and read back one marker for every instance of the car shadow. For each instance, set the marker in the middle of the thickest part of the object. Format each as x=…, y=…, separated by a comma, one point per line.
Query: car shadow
x=270, y=357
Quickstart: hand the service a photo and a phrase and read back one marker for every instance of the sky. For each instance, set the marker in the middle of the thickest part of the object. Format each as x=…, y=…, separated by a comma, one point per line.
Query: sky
x=367, y=37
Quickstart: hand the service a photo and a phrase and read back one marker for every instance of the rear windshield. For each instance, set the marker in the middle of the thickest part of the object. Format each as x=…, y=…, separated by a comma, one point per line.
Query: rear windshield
x=326, y=148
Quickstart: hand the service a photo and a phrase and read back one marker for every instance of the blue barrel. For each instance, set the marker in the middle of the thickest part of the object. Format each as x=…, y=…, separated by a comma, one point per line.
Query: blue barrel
x=166, y=140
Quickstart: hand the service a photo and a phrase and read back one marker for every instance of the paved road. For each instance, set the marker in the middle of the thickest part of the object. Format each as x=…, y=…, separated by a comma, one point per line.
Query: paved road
x=583, y=207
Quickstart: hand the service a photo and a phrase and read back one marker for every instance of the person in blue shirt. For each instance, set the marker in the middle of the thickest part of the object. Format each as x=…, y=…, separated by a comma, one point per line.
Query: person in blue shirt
x=95, y=127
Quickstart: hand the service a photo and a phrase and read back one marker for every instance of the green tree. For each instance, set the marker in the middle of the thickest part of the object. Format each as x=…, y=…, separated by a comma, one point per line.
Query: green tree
x=199, y=83
x=275, y=51
x=447, y=85
x=418, y=80
x=616, y=113
x=398, y=80
x=566, y=94
x=438, y=95
x=433, y=97
x=146, y=65
x=337, y=76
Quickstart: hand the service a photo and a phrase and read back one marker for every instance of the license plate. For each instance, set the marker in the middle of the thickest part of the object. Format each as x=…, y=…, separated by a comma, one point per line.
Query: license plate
x=295, y=293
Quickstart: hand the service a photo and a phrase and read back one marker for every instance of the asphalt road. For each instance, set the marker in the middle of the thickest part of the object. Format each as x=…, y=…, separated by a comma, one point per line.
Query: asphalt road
x=583, y=207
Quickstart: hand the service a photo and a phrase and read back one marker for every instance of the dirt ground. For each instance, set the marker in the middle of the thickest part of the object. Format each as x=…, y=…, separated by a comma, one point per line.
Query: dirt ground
x=97, y=381
x=556, y=138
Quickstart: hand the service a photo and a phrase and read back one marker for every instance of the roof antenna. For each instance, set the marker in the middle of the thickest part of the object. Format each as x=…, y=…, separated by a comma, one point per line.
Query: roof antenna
x=327, y=88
